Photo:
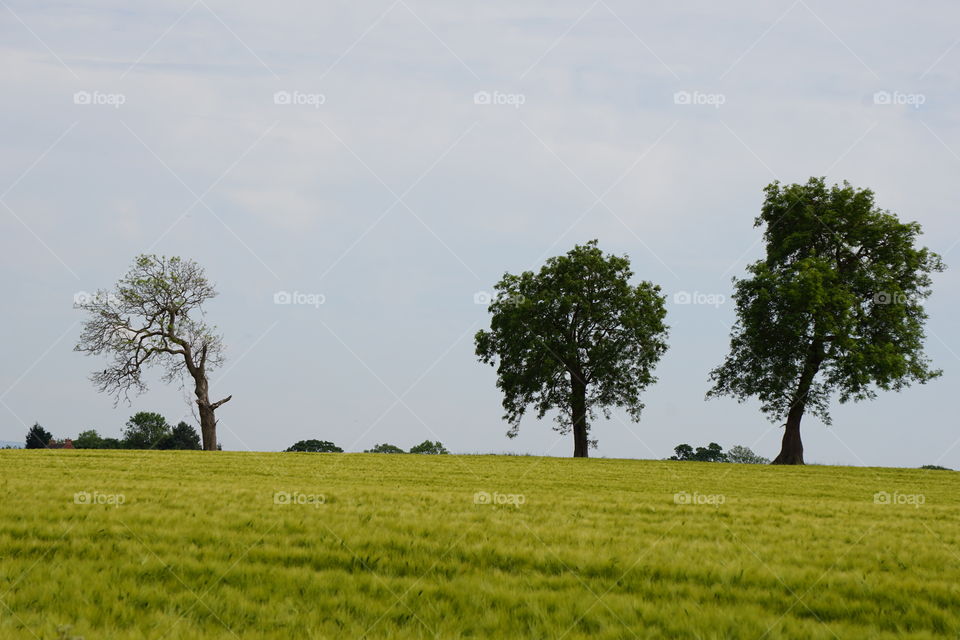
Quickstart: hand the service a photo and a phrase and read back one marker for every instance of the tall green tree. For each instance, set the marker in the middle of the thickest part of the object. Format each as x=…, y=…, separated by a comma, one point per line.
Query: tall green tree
x=145, y=430
x=576, y=337
x=155, y=316
x=835, y=307
x=38, y=437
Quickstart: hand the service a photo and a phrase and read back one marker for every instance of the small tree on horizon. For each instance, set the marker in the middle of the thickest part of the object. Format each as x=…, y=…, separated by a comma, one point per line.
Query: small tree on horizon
x=429, y=448
x=38, y=437
x=744, y=455
x=713, y=452
x=385, y=448
x=88, y=439
x=182, y=437
x=576, y=337
x=145, y=430
x=315, y=446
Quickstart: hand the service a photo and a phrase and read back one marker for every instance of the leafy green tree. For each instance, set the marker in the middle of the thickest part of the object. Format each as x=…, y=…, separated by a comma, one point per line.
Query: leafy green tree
x=182, y=437
x=38, y=437
x=713, y=452
x=744, y=455
x=431, y=448
x=316, y=446
x=385, y=448
x=155, y=316
x=112, y=443
x=836, y=306
x=576, y=337
x=682, y=452
x=145, y=430
x=89, y=439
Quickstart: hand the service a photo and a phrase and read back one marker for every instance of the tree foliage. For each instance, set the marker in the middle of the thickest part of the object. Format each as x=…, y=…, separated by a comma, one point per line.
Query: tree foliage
x=315, y=446
x=385, y=448
x=430, y=448
x=145, y=430
x=834, y=308
x=576, y=337
x=38, y=437
x=744, y=455
x=88, y=439
x=181, y=437
x=713, y=452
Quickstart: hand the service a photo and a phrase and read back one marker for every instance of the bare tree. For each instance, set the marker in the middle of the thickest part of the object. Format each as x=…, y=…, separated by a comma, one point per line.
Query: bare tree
x=155, y=315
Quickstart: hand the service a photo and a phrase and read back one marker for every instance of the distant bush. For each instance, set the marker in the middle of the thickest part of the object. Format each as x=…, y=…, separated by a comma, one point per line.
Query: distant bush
x=38, y=437
x=145, y=430
x=711, y=453
x=433, y=448
x=743, y=455
x=88, y=439
x=385, y=448
x=182, y=437
x=315, y=446
x=935, y=467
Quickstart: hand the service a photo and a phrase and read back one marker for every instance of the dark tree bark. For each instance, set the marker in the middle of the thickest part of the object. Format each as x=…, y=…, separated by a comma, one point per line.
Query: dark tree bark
x=791, y=447
x=578, y=411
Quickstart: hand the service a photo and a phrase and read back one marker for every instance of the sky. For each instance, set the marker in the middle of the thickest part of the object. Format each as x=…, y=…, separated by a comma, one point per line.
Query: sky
x=389, y=161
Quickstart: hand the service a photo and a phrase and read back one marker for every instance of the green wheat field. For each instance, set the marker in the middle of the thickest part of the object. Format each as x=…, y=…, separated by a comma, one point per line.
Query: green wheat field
x=193, y=545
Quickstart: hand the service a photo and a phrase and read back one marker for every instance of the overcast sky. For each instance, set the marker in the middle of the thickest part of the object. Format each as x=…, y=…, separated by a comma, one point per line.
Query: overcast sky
x=394, y=158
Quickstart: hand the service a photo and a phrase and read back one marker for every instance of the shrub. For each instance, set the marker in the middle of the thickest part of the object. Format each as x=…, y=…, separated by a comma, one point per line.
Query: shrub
x=315, y=446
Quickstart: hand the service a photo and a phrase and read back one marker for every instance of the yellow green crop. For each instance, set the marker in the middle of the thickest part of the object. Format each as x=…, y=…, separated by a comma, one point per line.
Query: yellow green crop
x=193, y=545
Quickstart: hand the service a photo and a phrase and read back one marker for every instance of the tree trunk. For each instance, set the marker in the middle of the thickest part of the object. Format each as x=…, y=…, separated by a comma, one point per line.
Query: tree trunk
x=208, y=420
x=578, y=410
x=791, y=447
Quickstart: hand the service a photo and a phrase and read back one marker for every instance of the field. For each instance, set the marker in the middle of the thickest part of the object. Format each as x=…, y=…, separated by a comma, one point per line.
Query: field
x=193, y=545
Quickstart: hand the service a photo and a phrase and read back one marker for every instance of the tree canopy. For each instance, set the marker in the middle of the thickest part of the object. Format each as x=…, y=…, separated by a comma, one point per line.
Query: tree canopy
x=431, y=448
x=38, y=437
x=836, y=306
x=577, y=337
x=315, y=446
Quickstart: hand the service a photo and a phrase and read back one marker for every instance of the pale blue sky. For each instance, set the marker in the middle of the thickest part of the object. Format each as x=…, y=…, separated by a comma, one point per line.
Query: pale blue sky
x=392, y=193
